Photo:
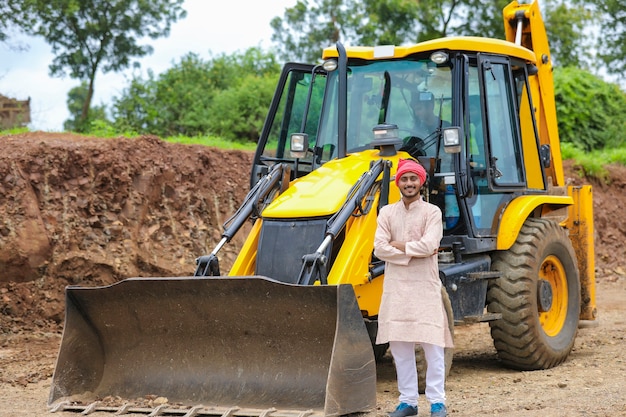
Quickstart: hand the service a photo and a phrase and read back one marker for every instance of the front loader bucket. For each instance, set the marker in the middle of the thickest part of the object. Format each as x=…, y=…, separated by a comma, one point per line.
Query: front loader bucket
x=247, y=342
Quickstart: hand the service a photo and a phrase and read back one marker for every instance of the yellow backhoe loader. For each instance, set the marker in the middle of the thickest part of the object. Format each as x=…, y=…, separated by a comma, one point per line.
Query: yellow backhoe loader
x=289, y=328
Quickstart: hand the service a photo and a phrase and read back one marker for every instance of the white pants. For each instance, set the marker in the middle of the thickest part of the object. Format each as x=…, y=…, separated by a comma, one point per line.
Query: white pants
x=406, y=369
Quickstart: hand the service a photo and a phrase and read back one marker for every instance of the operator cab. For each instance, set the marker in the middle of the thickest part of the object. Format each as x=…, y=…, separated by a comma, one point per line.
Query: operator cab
x=479, y=104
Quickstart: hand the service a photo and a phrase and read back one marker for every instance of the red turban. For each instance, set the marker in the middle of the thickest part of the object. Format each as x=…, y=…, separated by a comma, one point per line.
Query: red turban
x=409, y=165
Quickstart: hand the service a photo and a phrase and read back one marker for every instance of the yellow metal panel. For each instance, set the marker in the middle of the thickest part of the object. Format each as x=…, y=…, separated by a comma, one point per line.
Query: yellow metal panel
x=534, y=174
x=463, y=43
x=580, y=225
x=368, y=296
x=323, y=191
x=534, y=36
x=246, y=260
x=352, y=263
x=518, y=210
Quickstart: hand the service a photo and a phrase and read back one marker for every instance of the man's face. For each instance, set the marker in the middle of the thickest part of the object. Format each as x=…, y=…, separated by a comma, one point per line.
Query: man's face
x=423, y=109
x=409, y=185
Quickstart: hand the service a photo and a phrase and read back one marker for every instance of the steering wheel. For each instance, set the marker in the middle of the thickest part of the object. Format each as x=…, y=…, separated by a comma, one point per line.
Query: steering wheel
x=414, y=146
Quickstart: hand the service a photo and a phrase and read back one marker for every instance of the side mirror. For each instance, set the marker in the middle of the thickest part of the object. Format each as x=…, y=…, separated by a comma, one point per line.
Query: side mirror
x=299, y=145
x=452, y=139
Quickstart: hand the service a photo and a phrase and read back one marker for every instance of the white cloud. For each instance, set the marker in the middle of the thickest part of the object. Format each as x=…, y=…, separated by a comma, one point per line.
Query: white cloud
x=211, y=27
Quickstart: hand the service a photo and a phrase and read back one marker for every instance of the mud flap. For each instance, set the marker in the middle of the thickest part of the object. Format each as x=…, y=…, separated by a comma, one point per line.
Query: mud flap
x=218, y=341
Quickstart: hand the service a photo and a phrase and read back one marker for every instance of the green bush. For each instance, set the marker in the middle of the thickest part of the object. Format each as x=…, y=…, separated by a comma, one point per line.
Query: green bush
x=227, y=96
x=105, y=129
x=239, y=112
x=591, y=112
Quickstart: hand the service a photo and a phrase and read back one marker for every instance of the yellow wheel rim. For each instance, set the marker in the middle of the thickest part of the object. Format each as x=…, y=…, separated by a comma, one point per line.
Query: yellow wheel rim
x=552, y=271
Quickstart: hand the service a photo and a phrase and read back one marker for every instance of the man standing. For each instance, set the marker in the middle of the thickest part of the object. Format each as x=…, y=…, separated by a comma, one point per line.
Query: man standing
x=411, y=310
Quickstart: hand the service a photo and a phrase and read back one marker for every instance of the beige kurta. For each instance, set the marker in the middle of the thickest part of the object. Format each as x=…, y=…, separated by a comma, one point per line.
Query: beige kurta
x=411, y=308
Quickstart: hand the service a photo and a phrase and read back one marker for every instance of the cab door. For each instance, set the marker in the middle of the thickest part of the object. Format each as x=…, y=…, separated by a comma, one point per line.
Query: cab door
x=495, y=151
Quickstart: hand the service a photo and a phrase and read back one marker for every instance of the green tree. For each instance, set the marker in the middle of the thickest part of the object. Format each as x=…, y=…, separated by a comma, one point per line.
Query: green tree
x=307, y=26
x=483, y=19
x=91, y=35
x=384, y=22
x=612, y=40
x=5, y=12
x=239, y=111
x=11, y=20
x=182, y=96
x=311, y=25
x=8, y=11
x=75, y=102
x=187, y=98
x=565, y=24
x=591, y=112
x=174, y=103
x=440, y=18
x=135, y=109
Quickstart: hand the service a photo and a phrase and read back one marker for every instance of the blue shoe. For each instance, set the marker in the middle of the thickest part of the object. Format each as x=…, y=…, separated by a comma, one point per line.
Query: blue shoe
x=438, y=410
x=404, y=410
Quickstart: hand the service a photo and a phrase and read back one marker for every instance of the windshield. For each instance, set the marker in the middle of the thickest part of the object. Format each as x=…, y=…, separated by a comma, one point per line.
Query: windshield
x=415, y=95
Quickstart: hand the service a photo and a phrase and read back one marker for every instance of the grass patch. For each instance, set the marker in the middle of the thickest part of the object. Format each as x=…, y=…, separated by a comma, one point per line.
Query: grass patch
x=14, y=131
x=212, y=141
x=594, y=163
x=102, y=129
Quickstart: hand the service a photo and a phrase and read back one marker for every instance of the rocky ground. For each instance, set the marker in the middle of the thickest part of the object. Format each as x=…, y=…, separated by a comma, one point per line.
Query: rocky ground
x=93, y=211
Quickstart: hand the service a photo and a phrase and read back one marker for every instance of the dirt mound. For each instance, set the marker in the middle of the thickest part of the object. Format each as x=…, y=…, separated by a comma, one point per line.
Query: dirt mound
x=609, y=198
x=92, y=211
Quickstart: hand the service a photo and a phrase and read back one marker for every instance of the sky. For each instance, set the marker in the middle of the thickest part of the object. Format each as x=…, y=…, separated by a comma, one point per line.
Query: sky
x=211, y=27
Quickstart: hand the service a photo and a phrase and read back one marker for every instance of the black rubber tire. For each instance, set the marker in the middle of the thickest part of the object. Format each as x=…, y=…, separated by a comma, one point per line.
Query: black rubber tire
x=448, y=352
x=525, y=337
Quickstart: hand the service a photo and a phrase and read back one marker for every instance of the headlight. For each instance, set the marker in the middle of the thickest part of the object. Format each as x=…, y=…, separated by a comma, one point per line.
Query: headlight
x=299, y=145
x=452, y=140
